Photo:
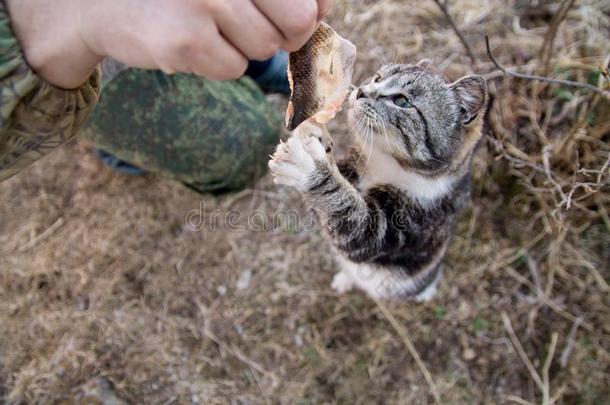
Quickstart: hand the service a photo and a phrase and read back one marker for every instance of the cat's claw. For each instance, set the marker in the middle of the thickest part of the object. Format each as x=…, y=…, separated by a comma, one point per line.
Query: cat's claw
x=294, y=162
x=342, y=282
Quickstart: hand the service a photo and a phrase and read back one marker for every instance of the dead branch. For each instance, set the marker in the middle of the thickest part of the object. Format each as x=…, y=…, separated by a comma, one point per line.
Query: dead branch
x=597, y=90
x=546, y=394
x=571, y=342
x=443, y=6
x=546, y=51
x=518, y=400
x=519, y=349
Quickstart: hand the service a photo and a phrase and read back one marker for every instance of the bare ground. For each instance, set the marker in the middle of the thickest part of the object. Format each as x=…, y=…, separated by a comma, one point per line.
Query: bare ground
x=105, y=283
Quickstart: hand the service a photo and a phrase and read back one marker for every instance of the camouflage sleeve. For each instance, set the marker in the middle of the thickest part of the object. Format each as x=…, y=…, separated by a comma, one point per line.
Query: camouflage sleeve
x=35, y=117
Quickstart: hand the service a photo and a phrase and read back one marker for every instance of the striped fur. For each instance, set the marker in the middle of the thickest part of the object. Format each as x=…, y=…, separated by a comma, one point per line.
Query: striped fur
x=391, y=204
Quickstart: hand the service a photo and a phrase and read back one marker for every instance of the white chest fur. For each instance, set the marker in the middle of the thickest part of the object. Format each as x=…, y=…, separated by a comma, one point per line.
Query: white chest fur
x=383, y=169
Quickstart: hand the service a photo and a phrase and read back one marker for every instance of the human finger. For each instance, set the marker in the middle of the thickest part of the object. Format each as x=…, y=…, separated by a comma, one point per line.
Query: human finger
x=296, y=19
x=324, y=7
x=217, y=59
x=247, y=28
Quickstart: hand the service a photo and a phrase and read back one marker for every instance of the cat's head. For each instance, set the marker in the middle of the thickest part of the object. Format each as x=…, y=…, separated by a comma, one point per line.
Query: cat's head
x=418, y=117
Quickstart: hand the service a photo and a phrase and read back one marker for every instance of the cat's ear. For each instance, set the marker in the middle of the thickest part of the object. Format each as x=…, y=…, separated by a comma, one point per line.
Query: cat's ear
x=425, y=63
x=472, y=93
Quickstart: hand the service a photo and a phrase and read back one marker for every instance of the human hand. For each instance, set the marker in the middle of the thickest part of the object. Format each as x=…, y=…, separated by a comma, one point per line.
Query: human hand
x=64, y=39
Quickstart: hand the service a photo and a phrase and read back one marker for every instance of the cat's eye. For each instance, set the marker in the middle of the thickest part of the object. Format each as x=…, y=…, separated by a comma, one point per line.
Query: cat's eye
x=377, y=78
x=402, y=102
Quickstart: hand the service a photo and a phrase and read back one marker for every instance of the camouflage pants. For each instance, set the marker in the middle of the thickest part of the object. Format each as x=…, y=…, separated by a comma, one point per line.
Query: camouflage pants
x=213, y=136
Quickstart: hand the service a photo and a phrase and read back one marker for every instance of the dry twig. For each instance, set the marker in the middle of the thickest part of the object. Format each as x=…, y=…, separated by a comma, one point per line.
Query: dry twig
x=404, y=336
x=546, y=51
x=39, y=238
x=565, y=355
x=546, y=393
x=542, y=382
x=569, y=83
x=443, y=6
x=521, y=352
x=518, y=400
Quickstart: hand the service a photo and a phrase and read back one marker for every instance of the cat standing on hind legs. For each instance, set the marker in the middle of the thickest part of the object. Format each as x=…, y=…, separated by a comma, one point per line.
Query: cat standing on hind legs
x=391, y=205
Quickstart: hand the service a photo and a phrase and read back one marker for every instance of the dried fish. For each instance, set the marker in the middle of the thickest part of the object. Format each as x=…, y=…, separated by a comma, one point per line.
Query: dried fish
x=320, y=74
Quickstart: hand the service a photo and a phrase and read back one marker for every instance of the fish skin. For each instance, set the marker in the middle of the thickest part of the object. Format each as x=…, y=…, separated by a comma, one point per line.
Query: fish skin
x=320, y=74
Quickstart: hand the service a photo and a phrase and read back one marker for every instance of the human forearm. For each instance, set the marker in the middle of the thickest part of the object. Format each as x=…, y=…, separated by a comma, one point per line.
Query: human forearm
x=64, y=39
x=48, y=32
x=35, y=117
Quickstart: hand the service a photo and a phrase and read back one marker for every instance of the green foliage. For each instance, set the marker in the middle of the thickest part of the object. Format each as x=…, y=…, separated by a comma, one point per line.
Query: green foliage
x=563, y=94
x=479, y=324
x=440, y=312
x=594, y=76
x=311, y=354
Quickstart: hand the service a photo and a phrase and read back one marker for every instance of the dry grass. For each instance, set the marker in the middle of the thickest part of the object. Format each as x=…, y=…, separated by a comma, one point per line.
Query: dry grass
x=100, y=277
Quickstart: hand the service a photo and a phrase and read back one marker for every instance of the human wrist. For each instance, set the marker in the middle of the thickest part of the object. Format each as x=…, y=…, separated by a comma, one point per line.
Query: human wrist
x=48, y=33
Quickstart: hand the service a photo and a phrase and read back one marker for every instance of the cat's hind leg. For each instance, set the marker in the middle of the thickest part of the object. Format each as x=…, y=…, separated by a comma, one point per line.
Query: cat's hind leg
x=342, y=282
x=429, y=292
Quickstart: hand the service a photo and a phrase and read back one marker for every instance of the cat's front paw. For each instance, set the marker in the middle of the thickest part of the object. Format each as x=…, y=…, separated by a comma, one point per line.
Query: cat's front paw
x=294, y=162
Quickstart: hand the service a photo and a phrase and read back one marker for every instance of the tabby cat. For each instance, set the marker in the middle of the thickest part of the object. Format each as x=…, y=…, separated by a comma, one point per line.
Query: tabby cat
x=391, y=205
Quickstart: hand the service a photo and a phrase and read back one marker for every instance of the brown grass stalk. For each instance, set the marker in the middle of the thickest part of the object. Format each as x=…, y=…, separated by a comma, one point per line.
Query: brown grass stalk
x=404, y=336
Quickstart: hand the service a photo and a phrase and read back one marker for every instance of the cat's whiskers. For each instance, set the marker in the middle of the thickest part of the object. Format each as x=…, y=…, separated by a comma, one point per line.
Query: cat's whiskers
x=363, y=133
x=381, y=123
x=381, y=57
x=366, y=135
x=370, y=135
x=354, y=127
x=372, y=124
x=358, y=128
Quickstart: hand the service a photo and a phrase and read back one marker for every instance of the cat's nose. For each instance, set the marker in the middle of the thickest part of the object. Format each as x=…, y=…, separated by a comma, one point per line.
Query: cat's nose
x=360, y=94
